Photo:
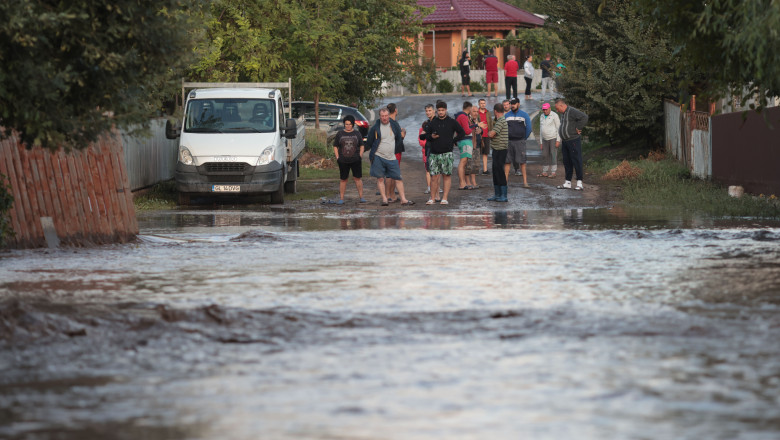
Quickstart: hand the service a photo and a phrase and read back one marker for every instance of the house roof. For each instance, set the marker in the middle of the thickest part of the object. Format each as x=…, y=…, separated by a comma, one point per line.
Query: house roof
x=477, y=11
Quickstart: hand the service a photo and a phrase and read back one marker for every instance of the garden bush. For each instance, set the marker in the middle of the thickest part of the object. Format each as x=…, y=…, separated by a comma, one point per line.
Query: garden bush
x=445, y=86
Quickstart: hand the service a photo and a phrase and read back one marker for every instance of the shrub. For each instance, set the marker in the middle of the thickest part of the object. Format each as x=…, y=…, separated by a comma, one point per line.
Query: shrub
x=478, y=86
x=445, y=86
x=316, y=143
x=6, y=202
x=421, y=78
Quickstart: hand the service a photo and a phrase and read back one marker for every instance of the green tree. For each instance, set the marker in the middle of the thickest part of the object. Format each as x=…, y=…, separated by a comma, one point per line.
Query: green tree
x=341, y=50
x=382, y=49
x=71, y=70
x=618, y=68
x=322, y=29
x=239, y=45
x=724, y=45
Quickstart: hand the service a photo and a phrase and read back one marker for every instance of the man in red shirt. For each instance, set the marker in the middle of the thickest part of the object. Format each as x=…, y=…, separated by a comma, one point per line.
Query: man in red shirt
x=491, y=71
x=510, y=76
x=487, y=119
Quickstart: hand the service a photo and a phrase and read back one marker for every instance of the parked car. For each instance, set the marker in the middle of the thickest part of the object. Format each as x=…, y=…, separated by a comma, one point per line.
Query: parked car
x=330, y=116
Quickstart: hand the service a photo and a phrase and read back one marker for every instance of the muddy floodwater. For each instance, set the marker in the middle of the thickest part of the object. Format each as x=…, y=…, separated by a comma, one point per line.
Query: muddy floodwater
x=351, y=324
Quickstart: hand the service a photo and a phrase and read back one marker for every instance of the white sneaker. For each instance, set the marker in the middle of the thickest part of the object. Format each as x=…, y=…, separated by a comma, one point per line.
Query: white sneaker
x=566, y=185
x=427, y=191
x=579, y=185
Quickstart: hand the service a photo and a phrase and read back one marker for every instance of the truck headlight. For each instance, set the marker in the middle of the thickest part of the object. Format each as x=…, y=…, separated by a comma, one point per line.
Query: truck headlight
x=266, y=156
x=185, y=156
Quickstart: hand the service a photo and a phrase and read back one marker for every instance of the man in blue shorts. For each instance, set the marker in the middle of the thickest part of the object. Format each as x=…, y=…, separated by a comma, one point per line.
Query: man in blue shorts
x=384, y=137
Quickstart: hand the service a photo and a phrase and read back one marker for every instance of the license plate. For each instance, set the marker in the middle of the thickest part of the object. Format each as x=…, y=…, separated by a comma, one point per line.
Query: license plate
x=226, y=188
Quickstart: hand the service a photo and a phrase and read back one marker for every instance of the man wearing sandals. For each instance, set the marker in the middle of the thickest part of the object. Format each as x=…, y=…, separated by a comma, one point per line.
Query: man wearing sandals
x=572, y=123
x=443, y=133
x=384, y=136
x=549, y=140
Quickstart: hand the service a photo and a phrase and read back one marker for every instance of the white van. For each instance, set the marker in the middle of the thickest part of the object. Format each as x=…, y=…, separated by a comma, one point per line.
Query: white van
x=237, y=140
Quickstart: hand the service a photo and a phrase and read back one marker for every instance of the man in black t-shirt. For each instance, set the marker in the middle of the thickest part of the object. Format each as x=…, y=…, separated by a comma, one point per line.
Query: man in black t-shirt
x=348, y=147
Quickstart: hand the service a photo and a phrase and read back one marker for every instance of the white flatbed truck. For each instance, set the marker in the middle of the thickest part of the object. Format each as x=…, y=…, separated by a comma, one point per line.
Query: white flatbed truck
x=236, y=139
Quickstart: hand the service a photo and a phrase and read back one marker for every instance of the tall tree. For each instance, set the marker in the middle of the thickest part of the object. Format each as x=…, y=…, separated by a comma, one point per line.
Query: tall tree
x=319, y=49
x=70, y=70
x=382, y=47
x=618, y=68
x=245, y=41
x=724, y=45
x=340, y=50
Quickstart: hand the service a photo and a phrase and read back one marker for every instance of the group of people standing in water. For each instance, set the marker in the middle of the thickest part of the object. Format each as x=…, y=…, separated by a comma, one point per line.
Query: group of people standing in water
x=472, y=133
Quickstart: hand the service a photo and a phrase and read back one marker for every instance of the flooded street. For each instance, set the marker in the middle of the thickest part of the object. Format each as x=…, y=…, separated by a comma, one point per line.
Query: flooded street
x=352, y=324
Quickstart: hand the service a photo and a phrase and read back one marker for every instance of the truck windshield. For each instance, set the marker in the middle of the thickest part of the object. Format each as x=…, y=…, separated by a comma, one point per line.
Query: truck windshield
x=230, y=116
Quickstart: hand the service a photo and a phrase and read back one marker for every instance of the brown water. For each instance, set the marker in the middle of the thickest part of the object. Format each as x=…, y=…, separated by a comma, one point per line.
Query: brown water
x=585, y=324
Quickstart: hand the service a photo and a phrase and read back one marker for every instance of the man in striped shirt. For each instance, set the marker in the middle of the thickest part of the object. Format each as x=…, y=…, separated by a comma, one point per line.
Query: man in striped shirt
x=572, y=123
x=499, y=136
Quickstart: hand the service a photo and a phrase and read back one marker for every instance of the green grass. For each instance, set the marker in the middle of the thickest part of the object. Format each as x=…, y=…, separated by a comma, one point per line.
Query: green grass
x=668, y=184
x=319, y=147
x=162, y=196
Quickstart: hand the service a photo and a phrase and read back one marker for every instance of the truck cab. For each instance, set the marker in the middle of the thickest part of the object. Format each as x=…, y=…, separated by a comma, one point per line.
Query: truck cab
x=237, y=141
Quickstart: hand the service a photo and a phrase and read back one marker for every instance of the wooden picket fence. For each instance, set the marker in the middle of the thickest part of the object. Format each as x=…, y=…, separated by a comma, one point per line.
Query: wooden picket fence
x=85, y=193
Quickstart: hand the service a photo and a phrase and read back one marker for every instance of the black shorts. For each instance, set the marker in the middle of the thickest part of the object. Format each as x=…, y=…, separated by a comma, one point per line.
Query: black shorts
x=356, y=167
x=465, y=80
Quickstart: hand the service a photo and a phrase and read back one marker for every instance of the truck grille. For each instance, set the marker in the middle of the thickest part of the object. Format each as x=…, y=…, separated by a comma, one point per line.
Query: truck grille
x=226, y=179
x=225, y=167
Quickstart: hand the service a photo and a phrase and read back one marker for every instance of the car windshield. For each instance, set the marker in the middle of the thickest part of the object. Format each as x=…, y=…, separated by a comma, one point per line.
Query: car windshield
x=233, y=115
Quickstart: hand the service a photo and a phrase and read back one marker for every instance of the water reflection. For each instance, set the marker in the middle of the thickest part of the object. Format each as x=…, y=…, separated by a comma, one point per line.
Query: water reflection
x=346, y=219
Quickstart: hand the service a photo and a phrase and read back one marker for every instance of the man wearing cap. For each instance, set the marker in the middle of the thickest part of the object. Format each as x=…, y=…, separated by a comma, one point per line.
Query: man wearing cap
x=519, y=125
x=549, y=140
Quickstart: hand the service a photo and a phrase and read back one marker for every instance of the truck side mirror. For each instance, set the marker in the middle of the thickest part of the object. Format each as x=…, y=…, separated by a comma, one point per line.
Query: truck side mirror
x=290, y=129
x=172, y=130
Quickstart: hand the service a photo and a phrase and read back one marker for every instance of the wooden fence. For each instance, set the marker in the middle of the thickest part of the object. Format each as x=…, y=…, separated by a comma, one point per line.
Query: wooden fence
x=85, y=194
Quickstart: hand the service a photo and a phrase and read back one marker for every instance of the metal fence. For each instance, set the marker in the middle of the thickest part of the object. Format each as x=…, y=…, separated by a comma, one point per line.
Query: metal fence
x=149, y=159
x=738, y=148
x=688, y=138
x=746, y=150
